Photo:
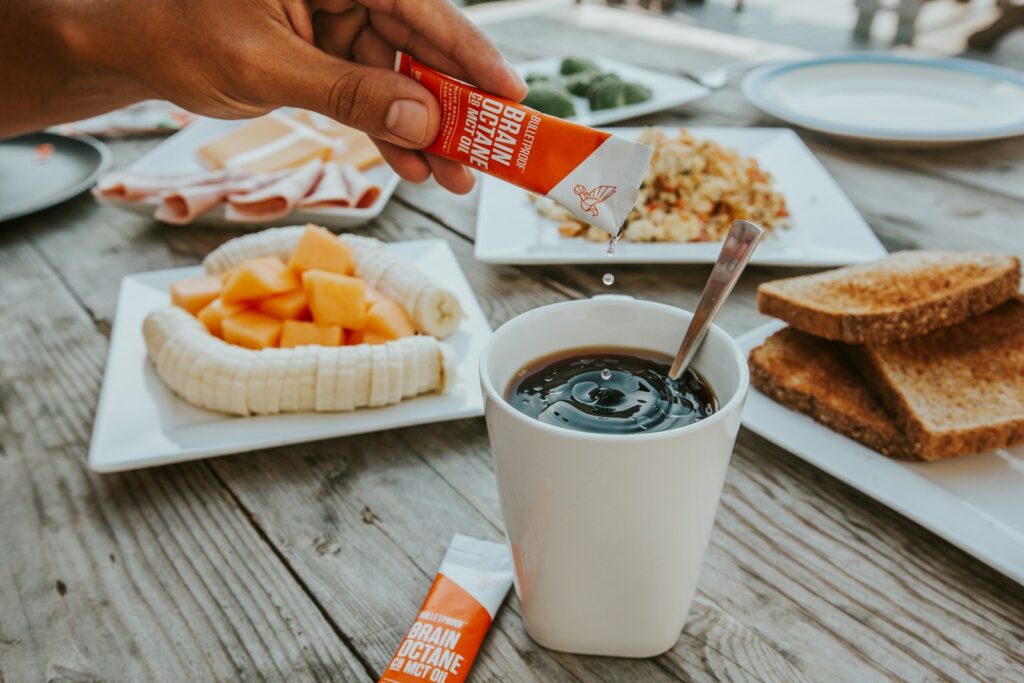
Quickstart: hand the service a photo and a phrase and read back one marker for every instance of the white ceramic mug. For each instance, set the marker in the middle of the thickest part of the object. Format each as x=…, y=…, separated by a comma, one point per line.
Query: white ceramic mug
x=608, y=532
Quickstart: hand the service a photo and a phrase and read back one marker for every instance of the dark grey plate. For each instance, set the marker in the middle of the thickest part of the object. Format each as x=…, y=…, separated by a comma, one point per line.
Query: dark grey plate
x=30, y=183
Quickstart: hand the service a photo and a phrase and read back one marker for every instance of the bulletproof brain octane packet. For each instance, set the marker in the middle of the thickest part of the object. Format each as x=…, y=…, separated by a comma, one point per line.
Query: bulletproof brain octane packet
x=593, y=174
x=468, y=590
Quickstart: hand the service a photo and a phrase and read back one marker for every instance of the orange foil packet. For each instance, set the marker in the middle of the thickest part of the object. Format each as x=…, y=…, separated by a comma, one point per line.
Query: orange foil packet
x=468, y=590
x=592, y=173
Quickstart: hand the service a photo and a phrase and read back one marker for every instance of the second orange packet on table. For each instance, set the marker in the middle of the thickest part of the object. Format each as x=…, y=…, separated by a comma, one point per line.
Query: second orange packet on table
x=592, y=173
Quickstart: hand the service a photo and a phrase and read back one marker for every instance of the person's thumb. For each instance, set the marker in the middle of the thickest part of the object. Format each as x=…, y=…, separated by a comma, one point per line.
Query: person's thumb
x=379, y=102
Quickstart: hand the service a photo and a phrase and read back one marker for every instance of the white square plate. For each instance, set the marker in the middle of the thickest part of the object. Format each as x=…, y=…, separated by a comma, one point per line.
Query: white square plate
x=974, y=502
x=141, y=423
x=177, y=154
x=667, y=91
x=825, y=228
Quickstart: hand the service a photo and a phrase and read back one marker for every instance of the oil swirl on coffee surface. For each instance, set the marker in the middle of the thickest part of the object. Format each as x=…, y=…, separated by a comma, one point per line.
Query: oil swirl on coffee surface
x=610, y=391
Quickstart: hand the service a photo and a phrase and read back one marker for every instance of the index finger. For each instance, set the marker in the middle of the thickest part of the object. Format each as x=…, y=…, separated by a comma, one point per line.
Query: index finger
x=457, y=39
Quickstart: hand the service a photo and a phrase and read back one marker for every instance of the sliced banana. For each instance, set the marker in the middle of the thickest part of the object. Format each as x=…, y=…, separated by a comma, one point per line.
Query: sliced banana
x=212, y=374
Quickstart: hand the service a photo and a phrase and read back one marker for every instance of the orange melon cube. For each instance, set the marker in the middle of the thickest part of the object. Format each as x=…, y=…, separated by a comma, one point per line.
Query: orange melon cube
x=216, y=312
x=195, y=293
x=386, y=320
x=371, y=337
x=353, y=337
x=290, y=306
x=252, y=330
x=320, y=249
x=335, y=299
x=298, y=333
x=259, y=278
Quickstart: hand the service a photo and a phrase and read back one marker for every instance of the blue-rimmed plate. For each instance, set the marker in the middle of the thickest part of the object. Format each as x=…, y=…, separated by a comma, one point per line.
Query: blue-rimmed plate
x=893, y=100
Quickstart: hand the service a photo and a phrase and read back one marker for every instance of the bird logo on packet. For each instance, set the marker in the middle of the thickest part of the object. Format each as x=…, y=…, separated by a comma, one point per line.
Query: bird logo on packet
x=540, y=153
x=460, y=606
x=590, y=199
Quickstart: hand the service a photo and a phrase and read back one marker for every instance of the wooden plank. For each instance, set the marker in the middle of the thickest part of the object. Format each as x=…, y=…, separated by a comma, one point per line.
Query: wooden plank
x=128, y=577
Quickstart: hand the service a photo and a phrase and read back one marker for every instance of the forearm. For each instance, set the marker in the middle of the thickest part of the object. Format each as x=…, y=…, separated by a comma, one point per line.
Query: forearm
x=50, y=69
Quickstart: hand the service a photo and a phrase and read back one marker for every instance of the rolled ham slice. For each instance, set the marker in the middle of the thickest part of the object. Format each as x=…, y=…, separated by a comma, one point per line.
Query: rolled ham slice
x=184, y=205
x=363, y=192
x=331, y=192
x=125, y=186
x=277, y=199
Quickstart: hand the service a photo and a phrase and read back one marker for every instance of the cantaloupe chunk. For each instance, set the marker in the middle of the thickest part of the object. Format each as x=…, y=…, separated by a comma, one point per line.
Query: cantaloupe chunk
x=385, y=321
x=216, y=312
x=353, y=337
x=298, y=333
x=252, y=330
x=195, y=293
x=335, y=299
x=259, y=278
x=320, y=249
x=290, y=306
x=371, y=337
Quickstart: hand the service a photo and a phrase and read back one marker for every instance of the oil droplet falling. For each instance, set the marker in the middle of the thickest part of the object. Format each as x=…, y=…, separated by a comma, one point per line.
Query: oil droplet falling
x=613, y=241
x=608, y=279
x=606, y=374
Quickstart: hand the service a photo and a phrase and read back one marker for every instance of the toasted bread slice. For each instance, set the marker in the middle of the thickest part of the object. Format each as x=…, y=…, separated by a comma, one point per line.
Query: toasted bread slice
x=812, y=376
x=956, y=390
x=901, y=296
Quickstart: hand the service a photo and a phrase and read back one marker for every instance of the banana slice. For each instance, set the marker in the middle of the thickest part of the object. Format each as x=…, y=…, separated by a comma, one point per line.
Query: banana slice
x=364, y=372
x=326, y=377
x=208, y=394
x=275, y=363
x=396, y=372
x=201, y=365
x=449, y=365
x=345, y=379
x=379, y=375
x=256, y=387
x=307, y=378
x=410, y=370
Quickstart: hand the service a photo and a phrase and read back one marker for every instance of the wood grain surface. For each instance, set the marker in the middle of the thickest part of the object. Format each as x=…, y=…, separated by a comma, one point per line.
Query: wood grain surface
x=308, y=562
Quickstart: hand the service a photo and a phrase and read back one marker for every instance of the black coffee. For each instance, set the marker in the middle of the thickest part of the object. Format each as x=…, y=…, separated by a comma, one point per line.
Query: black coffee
x=611, y=391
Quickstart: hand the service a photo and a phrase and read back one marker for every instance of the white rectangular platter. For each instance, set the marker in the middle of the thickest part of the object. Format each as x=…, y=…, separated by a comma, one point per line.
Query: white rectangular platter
x=825, y=230
x=974, y=502
x=177, y=154
x=141, y=423
x=667, y=91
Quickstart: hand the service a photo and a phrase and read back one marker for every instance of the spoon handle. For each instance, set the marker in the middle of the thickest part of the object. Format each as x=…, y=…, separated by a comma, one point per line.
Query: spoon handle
x=736, y=251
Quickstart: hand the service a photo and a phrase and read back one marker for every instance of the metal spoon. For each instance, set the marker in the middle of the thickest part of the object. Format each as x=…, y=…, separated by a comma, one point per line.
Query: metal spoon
x=736, y=251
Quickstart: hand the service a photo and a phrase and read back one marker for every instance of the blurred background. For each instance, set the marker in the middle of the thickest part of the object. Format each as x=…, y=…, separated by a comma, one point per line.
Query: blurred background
x=986, y=30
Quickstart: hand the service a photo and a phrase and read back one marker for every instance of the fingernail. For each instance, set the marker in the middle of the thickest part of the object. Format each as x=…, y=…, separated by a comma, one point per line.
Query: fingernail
x=408, y=119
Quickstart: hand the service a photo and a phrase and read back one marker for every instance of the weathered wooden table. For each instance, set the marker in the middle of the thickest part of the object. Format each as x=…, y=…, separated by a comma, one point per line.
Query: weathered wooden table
x=309, y=562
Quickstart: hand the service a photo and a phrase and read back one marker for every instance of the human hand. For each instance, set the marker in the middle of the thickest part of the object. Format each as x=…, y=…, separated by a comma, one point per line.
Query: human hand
x=243, y=58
